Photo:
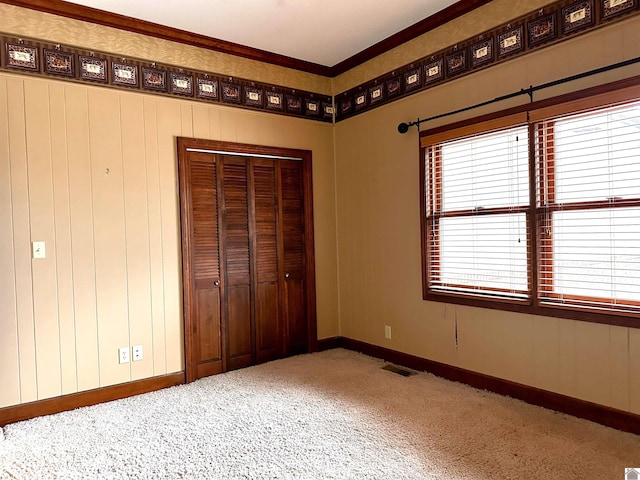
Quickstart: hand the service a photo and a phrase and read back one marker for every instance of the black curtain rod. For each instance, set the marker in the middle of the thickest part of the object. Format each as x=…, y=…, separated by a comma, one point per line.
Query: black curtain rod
x=404, y=127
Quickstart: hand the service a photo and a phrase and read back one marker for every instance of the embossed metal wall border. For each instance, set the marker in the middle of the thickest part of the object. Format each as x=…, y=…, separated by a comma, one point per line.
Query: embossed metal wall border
x=40, y=58
x=555, y=23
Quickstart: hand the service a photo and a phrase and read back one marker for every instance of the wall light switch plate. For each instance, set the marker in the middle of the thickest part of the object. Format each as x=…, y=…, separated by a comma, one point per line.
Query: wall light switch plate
x=38, y=249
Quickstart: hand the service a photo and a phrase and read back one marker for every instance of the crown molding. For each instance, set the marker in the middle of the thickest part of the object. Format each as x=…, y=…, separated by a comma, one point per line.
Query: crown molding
x=423, y=26
x=122, y=22
x=130, y=24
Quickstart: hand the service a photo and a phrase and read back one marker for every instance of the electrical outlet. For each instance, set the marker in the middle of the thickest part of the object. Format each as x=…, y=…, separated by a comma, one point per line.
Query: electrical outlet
x=137, y=352
x=387, y=332
x=38, y=250
x=123, y=354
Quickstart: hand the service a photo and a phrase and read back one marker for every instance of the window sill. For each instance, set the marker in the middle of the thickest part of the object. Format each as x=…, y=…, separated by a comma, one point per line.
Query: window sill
x=622, y=319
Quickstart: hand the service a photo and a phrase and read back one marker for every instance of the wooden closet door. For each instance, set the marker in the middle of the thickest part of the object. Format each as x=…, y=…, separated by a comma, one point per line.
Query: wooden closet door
x=247, y=254
x=237, y=261
x=267, y=312
x=203, y=270
x=293, y=252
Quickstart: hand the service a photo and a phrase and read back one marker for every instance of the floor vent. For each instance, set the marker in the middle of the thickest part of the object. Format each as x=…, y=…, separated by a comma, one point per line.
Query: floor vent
x=398, y=370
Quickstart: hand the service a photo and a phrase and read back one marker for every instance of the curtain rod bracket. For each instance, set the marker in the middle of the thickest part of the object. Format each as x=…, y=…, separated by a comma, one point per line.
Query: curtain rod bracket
x=530, y=93
x=404, y=127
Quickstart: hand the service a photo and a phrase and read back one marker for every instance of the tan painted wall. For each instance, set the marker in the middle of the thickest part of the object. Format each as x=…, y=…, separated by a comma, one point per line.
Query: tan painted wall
x=377, y=173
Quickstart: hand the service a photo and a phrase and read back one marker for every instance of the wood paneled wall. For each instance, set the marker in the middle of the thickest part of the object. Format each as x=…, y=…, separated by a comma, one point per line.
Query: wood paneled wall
x=92, y=172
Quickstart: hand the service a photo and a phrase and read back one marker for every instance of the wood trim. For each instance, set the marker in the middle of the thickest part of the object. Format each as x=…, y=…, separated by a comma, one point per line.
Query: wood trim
x=90, y=397
x=329, y=343
x=622, y=85
x=184, y=179
x=122, y=22
x=507, y=121
x=586, y=103
x=542, y=309
x=611, y=417
x=436, y=20
x=310, y=258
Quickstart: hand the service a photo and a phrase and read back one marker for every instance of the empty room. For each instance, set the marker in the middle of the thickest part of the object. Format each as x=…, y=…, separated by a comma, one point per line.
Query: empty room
x=282, y=239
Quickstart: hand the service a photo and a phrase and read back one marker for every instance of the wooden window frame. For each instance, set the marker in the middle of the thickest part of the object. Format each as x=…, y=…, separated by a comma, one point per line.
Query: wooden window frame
x=548, y=206
x=433, y=218
x=542, y=185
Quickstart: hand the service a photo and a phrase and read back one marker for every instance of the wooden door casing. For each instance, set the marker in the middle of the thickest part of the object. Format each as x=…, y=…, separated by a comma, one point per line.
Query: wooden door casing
x=265, y=296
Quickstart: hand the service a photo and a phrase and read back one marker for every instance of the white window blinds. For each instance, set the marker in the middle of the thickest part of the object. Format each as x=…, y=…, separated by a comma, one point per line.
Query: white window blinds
x=477, y=192
x=589, y=209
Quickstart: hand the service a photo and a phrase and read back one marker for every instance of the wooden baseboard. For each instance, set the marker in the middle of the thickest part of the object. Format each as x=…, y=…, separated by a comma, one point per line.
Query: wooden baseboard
x=329, y=343
x=611, y=417
x=48, y=406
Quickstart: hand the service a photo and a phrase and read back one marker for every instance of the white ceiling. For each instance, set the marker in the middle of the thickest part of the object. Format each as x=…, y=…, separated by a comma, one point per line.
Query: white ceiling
x=319, y=31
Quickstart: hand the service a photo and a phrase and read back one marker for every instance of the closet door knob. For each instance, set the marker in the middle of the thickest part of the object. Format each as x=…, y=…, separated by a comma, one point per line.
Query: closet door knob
x=286, y=275
x=216, y=283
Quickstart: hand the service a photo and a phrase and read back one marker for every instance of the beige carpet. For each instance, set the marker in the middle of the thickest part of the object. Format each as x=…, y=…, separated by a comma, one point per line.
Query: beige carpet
x=331, y=415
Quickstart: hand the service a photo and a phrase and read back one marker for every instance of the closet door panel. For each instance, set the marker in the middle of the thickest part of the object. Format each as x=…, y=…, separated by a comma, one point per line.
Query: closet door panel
x=292, y=200
x=268, y=340
x=237, y=261
x=268, y=331
x=240, y=338
x=296, y=317
x=205, y=264
x=207, y=331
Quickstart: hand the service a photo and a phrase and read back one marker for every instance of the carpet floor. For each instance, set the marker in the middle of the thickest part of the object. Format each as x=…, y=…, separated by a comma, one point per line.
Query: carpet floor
x=329, y=415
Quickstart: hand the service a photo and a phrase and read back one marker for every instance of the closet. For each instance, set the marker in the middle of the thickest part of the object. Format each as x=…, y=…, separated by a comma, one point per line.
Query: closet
x=247, y=254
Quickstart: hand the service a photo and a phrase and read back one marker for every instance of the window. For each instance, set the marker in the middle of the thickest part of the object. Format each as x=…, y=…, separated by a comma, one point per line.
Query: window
x=566, y=240
x=478, y=202
x=589, y=208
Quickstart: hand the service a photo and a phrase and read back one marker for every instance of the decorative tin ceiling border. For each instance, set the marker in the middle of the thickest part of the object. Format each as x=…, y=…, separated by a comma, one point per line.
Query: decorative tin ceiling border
x=555, y=23
x=40, y=58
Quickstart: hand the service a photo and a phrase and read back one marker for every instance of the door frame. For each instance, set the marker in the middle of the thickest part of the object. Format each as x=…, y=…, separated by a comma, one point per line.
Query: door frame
x=183, y=145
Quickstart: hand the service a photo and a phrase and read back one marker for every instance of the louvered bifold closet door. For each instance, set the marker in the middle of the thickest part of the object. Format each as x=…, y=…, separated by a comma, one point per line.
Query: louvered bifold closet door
x=202, y=170
x=268, y=332
x=237, y=262
x=292, y=221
